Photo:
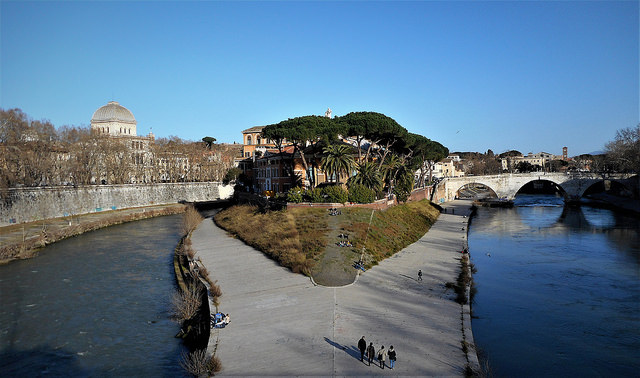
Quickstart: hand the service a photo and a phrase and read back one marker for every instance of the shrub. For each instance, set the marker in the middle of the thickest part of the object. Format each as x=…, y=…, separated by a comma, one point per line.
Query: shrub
x=215, y=291
x=199, y=364
x=335, y=193
x=314, y=195
x=214, y=365
x=191, y=220
x=186, y=303
x=295, y=195
x=361, y=194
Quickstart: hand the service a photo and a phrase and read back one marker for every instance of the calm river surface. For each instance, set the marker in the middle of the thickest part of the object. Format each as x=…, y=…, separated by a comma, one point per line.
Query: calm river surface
x=558, y=290
x=94, y=305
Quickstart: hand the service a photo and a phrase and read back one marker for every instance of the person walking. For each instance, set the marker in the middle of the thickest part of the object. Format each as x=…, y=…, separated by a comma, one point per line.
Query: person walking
x=382, y=356
x=392, y=357
x=362, y=345
x=420, y=275
x=371, y=351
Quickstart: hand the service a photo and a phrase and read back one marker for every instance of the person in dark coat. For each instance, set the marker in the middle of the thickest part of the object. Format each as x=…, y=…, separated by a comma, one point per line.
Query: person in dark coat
x=392, y=356
x=371, y=351
x=362, y=345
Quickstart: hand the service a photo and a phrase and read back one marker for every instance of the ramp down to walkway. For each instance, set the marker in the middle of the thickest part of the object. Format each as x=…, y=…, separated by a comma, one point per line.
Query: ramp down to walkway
x=282, y=324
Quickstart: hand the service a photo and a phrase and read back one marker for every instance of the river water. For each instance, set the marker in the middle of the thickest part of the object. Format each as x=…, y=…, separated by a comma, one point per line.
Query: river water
x=558, y=290
x=94, y=305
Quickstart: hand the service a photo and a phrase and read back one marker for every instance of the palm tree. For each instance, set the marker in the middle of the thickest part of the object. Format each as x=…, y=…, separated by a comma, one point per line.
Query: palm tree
x=390, y=169
x=368, y=175
x=338, y=159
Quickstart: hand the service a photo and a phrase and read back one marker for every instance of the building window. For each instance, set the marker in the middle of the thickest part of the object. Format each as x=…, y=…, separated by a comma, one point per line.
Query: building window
x=249, y=139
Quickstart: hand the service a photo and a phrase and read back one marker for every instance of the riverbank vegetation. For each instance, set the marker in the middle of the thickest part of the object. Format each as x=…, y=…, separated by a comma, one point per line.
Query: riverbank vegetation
x=199, y=364
x=190, y=220
x=24, y=240
x=298, y=237
x=190, y=302
x=464, y=281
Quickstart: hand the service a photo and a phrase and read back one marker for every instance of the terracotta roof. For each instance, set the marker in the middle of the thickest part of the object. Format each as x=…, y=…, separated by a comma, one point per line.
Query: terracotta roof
x=254, y=129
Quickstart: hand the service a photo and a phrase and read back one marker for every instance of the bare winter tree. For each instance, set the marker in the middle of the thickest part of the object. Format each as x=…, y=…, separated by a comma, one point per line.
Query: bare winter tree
x=625, y=149
x=34, y=153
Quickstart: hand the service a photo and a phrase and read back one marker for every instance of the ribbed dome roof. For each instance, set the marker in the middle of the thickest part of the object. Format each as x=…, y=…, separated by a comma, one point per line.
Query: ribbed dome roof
x=113, y=112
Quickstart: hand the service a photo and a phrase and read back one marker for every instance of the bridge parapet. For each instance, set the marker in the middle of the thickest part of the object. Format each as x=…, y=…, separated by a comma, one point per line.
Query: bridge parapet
x=573, y=185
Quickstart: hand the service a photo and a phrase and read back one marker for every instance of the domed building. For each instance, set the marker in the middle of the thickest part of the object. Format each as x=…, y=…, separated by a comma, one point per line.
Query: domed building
x=114, y=119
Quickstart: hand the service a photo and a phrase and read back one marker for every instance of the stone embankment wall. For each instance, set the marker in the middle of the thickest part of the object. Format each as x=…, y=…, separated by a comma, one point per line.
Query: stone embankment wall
x=32, y=204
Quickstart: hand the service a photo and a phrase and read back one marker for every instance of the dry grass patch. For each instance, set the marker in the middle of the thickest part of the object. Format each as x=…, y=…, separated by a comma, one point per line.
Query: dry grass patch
x=390, y=230
x=297, y=237
x=294, y=238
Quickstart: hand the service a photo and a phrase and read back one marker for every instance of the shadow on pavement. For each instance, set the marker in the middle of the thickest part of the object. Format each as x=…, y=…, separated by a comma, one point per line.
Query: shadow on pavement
x=409, y=277
x=352, y=351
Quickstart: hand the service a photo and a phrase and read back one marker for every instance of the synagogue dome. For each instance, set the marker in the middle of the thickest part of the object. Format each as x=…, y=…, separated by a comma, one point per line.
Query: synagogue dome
x=114, y=119
x=113, y=112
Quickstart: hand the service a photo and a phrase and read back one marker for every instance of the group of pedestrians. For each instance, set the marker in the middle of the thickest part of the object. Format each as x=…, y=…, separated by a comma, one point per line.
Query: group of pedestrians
x=344, y=243
x=382, y=355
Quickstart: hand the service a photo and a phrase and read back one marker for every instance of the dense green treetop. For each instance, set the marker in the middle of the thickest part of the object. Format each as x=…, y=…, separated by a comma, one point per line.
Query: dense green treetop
x=209, y=141
x=511, y=153
x=387, y=139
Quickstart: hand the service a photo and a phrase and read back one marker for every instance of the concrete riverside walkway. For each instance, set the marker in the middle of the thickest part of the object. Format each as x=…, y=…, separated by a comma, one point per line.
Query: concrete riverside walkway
x=282, y=324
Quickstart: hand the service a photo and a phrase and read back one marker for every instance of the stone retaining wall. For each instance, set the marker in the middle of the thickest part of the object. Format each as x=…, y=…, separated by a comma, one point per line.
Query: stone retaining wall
x=32, y=204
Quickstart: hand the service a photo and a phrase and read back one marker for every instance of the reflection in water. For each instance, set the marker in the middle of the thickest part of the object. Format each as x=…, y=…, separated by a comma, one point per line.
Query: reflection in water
x=537, y=218
x=560, y=292
x=599, y=218
x=93, y=305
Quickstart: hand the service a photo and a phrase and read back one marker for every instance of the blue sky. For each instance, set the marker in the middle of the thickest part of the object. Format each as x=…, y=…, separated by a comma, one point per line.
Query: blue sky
x=531, y=76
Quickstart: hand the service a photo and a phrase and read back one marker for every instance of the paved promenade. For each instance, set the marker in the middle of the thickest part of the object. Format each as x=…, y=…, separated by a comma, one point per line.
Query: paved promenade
x=282, y=324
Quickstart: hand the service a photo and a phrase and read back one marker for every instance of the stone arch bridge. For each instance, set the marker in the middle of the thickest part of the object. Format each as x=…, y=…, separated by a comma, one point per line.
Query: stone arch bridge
x=572, y=185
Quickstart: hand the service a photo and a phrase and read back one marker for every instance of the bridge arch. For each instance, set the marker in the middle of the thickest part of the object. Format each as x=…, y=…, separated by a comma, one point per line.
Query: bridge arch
x=507, y=186
x=475, y=190
x=542, y=186
x=615, y=187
